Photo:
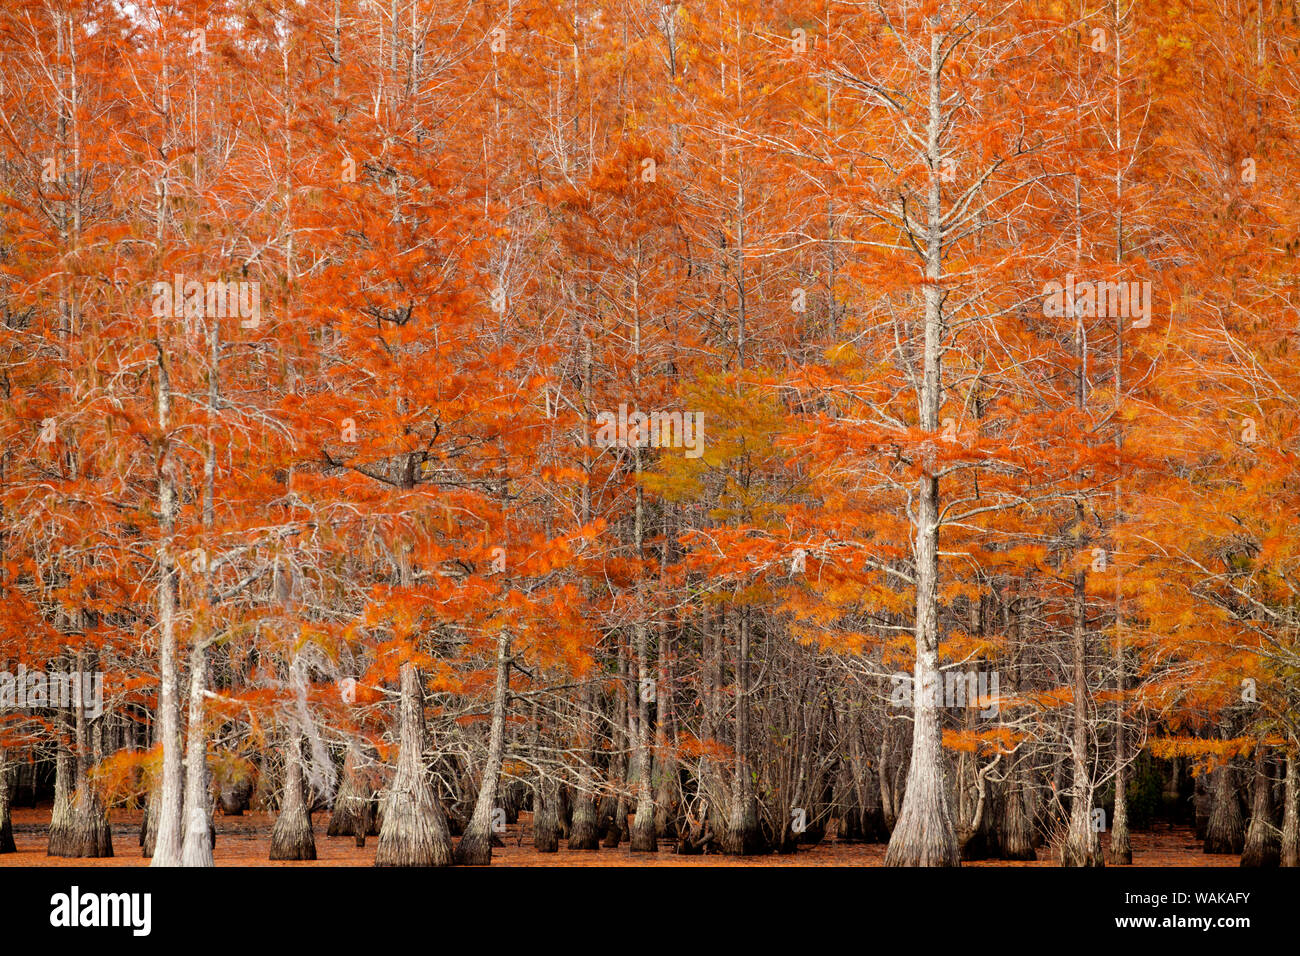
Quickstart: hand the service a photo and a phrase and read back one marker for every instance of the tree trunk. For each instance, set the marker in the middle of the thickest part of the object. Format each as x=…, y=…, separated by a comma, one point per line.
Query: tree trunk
x=667, y=778
x=6, y=822
x=1121, y=849
x=291, y=837
x=546, y=816
x=643, y=823
x=583, y=831
x=90, y=834
x=611, y=812
x=1291, y=812
x=200, y=833
x=1202, y=804
x=583, y=834
x=1017, y=825
x=565, y=796
x=1262, y=848
x=475, y=847
x=1017, y=841
x=414, y=829
x=1081, y=846
x=887, y=805
x=197, y=810
x=615, y=820
x=235, y=797
x=1225, y=832
x=60, y=843
x=149, y=819
x=166, y=830
x=924, y=834
x=743, y=835
x=354, y=804
x=582, y=827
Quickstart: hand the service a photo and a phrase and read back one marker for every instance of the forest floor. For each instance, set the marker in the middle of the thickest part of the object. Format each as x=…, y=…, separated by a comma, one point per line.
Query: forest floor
x=245, y=841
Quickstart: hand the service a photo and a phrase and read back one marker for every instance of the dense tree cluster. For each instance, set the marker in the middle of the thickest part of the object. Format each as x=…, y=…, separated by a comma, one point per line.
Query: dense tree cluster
x=724, y=425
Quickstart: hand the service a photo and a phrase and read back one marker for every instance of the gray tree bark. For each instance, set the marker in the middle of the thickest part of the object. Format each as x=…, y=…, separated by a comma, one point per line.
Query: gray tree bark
x=6, y=820
x=291, y=837
x=414, y=830
x=1262, y=847
x=1225, y=832
x=167, y=828
x=1081, y=847
x=475, y=847
x=924, y=833
x=1290, y=853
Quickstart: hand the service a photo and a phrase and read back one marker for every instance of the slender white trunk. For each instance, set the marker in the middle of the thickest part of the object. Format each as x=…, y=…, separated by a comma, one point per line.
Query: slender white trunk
x=167, y=848
x=197, y=847
x=924, y=834
x=475, y=847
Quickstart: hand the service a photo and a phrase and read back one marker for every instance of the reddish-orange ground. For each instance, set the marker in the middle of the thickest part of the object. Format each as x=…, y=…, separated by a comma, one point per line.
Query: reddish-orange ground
x=245, y=841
